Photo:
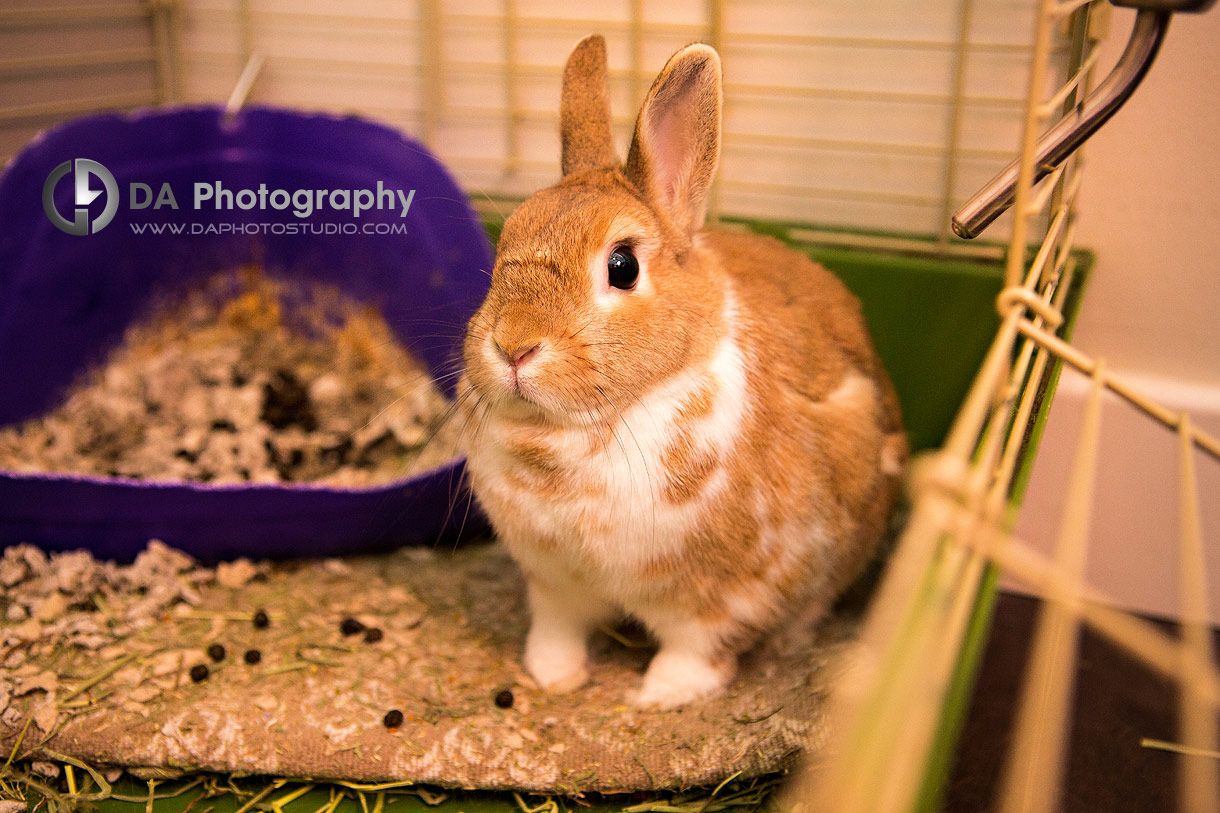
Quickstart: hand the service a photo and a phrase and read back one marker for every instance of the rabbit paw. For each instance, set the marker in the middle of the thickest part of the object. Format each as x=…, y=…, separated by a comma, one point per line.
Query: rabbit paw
x=558, y=666
x=675, y=679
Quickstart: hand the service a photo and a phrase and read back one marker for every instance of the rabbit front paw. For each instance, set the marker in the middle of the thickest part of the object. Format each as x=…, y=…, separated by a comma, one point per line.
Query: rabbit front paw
x=556, y=663
x=676, y=678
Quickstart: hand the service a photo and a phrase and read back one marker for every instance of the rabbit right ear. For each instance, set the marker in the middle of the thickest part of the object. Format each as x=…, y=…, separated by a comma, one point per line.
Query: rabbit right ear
x=676, y=147
x=584, y=109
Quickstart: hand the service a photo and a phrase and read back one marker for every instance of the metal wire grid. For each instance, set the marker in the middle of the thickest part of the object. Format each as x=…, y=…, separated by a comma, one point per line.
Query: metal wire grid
x=861, y=117
x=889, y=710
x=58, y=61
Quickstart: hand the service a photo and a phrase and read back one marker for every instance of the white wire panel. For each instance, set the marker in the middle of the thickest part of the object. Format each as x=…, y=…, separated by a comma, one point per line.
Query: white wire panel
x=57, y=62
x=836, y=113
x=361, y=59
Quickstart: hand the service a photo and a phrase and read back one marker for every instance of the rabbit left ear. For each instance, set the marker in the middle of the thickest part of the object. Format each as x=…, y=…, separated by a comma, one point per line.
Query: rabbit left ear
x=676, y=146
x=584, y=109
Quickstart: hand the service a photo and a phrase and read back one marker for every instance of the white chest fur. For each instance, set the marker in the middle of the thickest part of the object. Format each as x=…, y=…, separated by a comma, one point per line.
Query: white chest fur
x=624, y=522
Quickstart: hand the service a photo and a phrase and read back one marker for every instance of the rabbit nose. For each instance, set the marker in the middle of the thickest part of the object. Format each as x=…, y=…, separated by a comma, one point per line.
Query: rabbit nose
x=520, y=354
x=518, y=334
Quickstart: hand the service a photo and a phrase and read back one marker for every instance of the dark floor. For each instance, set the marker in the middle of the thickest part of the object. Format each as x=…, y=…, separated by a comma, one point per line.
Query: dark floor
x=1118, y=702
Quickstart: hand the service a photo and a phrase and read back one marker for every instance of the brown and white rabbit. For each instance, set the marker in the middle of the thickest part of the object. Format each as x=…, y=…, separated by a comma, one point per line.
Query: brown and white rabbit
x=687, y=426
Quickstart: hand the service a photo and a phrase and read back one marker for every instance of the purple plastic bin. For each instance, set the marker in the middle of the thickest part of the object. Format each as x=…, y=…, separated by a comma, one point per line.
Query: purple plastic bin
x=65, y=301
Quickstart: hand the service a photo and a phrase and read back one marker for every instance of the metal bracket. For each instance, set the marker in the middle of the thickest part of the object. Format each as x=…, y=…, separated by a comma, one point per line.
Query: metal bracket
x=1167, y=5
x=1073, y=129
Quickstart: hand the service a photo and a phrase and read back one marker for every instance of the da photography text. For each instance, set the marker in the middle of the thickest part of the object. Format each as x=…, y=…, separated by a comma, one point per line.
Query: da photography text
x=86, y=175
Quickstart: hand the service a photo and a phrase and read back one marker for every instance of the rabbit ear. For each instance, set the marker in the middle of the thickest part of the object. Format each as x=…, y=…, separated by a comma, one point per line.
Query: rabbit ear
x=677, y=138
x=584, y=109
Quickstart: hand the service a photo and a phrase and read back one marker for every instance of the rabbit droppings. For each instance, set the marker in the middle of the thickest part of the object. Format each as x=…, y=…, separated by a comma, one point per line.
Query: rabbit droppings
x=687, y=426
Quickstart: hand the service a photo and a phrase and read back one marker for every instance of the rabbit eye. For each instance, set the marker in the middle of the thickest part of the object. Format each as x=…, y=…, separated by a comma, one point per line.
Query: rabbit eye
x=623, y=268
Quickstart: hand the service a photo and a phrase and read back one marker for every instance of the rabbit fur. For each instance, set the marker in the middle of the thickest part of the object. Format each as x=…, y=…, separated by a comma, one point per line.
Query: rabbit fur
x=709, y=451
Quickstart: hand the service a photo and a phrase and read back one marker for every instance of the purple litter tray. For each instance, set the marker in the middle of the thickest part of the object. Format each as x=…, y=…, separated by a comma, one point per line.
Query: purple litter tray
x=65, y=301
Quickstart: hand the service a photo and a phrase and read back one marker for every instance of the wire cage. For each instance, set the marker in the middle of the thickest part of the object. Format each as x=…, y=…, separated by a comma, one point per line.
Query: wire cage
x=847, y=125
x=874, y=118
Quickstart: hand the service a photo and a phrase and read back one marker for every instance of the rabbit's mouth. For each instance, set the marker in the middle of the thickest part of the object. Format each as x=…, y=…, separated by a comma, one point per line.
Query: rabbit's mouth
x=515, y=383
x=517, y=367
x=523, y=388
x=532, y=401
x=542, y=378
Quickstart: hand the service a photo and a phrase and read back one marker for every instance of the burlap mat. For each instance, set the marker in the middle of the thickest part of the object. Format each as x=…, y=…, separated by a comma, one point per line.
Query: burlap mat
x=118, y=691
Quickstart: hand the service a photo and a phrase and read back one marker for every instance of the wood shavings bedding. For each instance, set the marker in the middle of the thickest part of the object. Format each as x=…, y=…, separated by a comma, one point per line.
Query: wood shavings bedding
x=247, y=379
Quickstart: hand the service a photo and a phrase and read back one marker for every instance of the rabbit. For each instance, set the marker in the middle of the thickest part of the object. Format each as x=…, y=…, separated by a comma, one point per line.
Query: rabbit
x=686, y=426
